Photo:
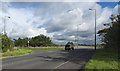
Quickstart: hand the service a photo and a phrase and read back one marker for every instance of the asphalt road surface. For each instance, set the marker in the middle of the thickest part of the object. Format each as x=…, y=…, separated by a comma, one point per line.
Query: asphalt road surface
x=50, y=59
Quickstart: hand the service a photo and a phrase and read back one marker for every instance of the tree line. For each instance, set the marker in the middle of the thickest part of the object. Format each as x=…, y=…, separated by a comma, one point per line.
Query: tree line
x=37, y=41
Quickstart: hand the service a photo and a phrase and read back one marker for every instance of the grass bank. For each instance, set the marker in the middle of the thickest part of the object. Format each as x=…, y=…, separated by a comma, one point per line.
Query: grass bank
x=17, y=51
x=46, y=47
x=103, y=59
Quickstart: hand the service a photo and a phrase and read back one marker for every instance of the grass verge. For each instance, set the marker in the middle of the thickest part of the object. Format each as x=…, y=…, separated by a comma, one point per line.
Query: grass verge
x=103, y=59
x=17, y=51
x=46, y=47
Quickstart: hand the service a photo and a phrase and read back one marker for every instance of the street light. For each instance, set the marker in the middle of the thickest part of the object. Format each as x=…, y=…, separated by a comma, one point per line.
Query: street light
x=95, y=26
x=5, y=23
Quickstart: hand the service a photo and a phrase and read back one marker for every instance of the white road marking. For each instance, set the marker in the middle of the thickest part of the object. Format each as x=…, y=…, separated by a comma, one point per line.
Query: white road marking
x=65, y=62
x=61, y=64
x=50, y=51
x=48, y=59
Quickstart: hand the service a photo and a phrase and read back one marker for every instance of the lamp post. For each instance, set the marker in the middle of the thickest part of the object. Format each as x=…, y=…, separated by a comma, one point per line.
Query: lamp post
x=95, y=26
x=77, y=36
x=5, y=23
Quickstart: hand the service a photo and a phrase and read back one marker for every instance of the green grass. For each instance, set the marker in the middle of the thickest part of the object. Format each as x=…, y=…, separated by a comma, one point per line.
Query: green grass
x=17, y=51
x=46, y=47
x=103, y=59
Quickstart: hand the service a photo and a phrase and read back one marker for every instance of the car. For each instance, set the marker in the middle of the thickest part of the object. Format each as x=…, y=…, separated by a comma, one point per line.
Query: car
x=69, y=47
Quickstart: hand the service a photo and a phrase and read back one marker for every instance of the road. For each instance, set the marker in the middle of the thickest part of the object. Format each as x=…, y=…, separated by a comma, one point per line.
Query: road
x=50, y=59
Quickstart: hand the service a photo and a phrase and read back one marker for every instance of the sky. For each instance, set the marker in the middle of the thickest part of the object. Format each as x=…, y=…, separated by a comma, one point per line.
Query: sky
x=58, y=20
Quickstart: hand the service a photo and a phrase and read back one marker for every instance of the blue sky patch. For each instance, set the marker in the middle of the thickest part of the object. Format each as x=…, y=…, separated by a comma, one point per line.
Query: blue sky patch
x=107, y=4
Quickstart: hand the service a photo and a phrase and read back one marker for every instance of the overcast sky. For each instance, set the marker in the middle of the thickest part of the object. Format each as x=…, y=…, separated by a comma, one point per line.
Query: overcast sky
x=58, y=20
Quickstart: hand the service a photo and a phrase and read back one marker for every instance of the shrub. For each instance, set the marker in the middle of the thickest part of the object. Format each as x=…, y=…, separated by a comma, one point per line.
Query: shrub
x=7, y=43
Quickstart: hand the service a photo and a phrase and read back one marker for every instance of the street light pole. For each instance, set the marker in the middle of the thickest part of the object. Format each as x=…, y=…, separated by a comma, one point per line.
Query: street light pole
x=95, y=26
x=77, y=35
x=95, y=29
x=5, y=24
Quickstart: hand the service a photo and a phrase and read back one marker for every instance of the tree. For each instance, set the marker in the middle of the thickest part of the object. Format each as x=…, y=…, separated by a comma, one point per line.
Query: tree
x=71, y=43
x=0, y=42
x=21, y=42
x=7, y=43
x=40, y=40
x=111, y=34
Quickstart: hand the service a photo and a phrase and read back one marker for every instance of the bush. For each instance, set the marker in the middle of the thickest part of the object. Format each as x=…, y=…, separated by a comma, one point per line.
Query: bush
x=7, y=43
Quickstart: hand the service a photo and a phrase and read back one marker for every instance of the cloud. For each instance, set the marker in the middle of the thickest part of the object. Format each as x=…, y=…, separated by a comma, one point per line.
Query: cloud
x=59, y=0
x=22, y=23
x=116, y=9
x=59, y=21
x=67, y=22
